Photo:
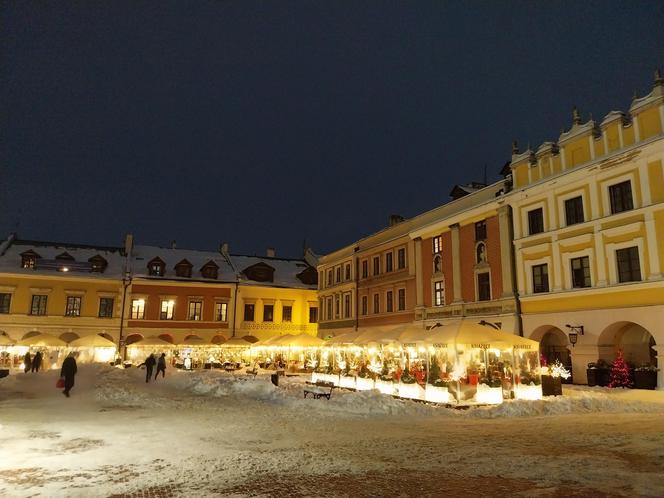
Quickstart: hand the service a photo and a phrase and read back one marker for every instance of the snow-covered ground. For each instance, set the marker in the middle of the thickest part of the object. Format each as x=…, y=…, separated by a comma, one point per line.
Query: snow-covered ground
x=214, y=434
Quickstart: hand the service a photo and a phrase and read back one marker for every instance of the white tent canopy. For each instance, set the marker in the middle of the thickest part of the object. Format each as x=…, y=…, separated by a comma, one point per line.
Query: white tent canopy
x=151, y=341
x=42, y=340
x=92, y=341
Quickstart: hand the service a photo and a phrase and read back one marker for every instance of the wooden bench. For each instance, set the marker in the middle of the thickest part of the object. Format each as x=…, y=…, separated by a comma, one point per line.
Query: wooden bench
x=319, y=389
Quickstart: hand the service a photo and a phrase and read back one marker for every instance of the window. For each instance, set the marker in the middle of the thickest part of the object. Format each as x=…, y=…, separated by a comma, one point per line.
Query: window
x=580, y=272
x=329, y=277
x=365, y=269
x=195, y=310
x=480, y=230
x=38, y=306
x=365, y=305
x=5, y=302
x=437, y=243
x=167, y=308
x=137, y=309
x=376, y=265
x=541, y=278
x=313, y=314
x=73, y=306
x=483, y=287
x=337, y=307
x=347, y=274
x=221, y=312
x=329, y=309
x=376, y=304
x=535, y=221
x=183, y=269
x=346, y=305
x=338, y=274
x=286, y=313
x=621, y=197
x=629, y=269
x=401, y=259
x=106, y=307
x=156, y=267
x=97, y=264
x=388, y=262
x=249, y=312
x=268, y=312
x=28, y=261
x=389, y=306
x=210, y=270
x=574, y=211
x=439, y=293
x=401, y=304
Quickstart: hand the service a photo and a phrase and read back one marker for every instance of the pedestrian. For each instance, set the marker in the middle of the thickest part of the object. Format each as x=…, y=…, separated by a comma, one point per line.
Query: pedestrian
x=161, y=366
x=27, y=362
x=68, y=371
x=149, y=365
x=36, y=362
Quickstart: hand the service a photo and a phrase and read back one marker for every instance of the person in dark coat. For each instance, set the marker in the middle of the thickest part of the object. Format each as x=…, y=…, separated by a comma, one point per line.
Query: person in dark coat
x=68, y=371
x=149, y=366
x=161, y=366
x=36, y=362
x=27, y=362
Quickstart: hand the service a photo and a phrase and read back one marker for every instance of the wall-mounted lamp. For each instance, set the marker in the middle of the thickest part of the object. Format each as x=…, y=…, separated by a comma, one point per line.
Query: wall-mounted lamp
x=495, y=325
x=574, y=331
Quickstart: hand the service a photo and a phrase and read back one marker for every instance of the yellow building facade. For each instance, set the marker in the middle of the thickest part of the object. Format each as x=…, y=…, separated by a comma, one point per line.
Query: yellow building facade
x=589, y=238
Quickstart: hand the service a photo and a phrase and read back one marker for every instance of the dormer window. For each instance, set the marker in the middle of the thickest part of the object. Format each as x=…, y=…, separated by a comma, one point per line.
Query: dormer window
x=308, y=276
x=210, y=270
x=260, y=272
x=183, y=269
x=97, y=264
x=156, y=267
x=29, y=259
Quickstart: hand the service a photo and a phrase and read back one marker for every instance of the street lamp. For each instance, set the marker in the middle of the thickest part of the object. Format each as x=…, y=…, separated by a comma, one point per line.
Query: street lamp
x=574, y=331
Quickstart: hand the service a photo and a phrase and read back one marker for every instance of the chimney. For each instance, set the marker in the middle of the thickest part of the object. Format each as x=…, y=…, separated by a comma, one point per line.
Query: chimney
x=173, y=244
x=129, y=243
x=270, y=253
x=223, y=248
x=395, y=219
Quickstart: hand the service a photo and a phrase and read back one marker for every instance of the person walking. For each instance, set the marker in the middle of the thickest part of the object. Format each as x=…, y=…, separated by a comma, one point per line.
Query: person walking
x=27, y=362
x=68, y=371
x=149, y=366
x=36, y=362
x=161, y=366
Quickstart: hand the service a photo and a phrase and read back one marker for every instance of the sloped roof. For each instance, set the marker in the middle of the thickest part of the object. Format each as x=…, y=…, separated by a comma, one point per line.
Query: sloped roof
x=285, y=271
x=142, y=254
x=12, y=248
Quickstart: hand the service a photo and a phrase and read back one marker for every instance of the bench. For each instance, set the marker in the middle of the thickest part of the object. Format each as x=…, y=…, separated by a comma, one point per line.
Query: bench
x=320, y=389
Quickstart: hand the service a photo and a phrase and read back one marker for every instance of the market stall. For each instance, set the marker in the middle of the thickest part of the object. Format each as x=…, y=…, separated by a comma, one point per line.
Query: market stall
x=138, y=351
x=53, y=350
x=93, y=348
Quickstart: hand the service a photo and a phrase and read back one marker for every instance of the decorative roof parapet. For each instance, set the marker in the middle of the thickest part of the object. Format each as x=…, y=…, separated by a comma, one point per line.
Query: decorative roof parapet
x=578, y=129
x=547, y=148
x=656, y=96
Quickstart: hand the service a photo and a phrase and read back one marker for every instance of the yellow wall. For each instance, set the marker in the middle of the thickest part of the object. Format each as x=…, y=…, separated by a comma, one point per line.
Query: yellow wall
x=628, y=135
x=656, y=181
x=618, y=299
x=650, y=123
x=521, y=175
x=613, y=136
x=577, y=152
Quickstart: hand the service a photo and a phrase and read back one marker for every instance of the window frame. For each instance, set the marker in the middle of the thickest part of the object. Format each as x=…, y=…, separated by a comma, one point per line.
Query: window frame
x=268, y=317
x=571, y=214
x=480, y=231
x=376, y=266
x=137, y=312
x=287, y=317
x=313, y=313
x=439, y=293
x=630, y=261
x=220, y=311
x=376, y=303
x=249, y=314
x=480, y=286
x=169, y=314
x=103, y=305
x=437, y=244
x=42, y=305
x=365, y=305
x=531, y=225
x=543, y=270
x=401, y=258
x=5, y=303
x=613, y=199
x=401, y=299
x=389, y=301
x=191, y=317
x=586, y=278
x=73, y=305
x=389, y=262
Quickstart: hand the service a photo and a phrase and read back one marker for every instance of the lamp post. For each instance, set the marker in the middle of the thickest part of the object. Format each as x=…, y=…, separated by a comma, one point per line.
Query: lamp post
x=574, y=331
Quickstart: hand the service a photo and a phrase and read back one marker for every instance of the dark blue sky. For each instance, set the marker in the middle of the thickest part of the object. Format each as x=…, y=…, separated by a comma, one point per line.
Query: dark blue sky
x=264, y=123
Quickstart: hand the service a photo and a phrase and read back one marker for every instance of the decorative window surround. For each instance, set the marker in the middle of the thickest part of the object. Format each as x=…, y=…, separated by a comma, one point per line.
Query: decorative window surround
x=567, y=271
x=606, y=201
x=40, y=290
x=562, y=214
x=613, y=262
x=529, y=274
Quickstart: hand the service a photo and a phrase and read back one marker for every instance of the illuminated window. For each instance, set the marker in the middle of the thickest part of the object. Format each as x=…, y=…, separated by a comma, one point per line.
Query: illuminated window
x=437, y=244
x=221, y=312
x=137, y=309
x=73, y=306
x=287, y=313
x=38, y=306
x=167, y=308
x=156, y=267
x=439, y=293
x=106, y=307
x=195, y=310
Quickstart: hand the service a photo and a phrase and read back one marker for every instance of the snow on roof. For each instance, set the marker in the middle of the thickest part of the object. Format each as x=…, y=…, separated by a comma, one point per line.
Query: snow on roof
x=285, y=271
x=142, y=255
x=12, y=248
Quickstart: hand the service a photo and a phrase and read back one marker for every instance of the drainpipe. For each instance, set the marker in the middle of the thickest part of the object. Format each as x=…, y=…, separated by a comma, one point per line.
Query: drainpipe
x=517, y=300
x=126, y=282
x=235, y=307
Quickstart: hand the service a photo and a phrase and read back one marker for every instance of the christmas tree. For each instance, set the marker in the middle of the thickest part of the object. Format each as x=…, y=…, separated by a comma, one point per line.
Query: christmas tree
x=620, y=372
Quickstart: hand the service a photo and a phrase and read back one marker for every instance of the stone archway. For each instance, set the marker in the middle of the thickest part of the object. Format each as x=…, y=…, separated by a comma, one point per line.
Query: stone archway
x=167, y=338
x=69, y=336
x=30, y=334
x=635, y=341
x=132, y=338
x=554, y=345
x=107, y=336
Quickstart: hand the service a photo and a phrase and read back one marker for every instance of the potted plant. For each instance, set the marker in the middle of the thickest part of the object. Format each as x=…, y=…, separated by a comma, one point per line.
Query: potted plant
x=408, y=387
x=645, y=377
x=552, y=376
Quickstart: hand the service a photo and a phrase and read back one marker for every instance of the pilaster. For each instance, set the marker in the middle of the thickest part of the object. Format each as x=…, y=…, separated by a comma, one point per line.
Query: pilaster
x=456, y=263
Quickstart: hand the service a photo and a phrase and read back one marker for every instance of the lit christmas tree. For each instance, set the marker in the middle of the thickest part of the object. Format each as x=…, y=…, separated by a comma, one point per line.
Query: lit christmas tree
x=620, y=372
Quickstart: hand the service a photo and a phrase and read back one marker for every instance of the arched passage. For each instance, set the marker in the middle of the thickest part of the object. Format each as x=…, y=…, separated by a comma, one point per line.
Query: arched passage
x=167, y=338
x=69, y=336
x=554, y=345
x=132, y=338
x=107, y=336
x=30, y=334
x=218, y=339
x=635, y=341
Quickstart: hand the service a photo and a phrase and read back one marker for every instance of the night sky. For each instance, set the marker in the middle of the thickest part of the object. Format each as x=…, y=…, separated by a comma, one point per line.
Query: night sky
x=267, y=123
